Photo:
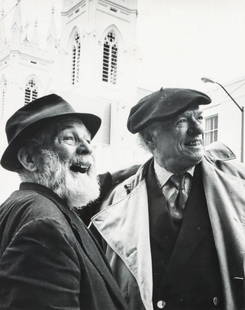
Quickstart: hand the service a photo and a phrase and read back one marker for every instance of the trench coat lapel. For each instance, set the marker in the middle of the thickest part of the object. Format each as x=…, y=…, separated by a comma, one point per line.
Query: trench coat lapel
x=226, y=207
x=133, y=246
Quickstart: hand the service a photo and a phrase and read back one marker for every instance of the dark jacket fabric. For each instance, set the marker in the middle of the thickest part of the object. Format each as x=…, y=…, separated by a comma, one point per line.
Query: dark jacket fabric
x=185, y=266
x=48, y=258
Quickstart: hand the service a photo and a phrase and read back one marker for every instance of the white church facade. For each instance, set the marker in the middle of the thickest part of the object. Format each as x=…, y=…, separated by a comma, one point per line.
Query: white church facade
x=92, y=63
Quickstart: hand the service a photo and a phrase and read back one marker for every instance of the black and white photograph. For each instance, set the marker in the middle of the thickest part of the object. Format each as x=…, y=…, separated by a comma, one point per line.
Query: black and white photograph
x=122, y=157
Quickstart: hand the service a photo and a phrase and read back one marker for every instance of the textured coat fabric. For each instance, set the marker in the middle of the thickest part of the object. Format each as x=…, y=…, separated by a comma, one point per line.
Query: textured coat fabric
x=48, y=259
x=124, y=225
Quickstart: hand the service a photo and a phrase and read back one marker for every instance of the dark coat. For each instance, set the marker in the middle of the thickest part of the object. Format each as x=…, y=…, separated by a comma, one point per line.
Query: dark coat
x=48, y=259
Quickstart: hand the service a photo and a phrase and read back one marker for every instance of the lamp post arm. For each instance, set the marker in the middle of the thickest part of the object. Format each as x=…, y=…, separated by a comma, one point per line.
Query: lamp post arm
x=242, y=136
x=239, y=107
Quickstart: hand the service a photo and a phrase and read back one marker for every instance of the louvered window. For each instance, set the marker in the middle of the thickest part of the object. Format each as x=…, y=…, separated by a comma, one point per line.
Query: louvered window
x=31, y=92
x=76, y=52
x=110, y=58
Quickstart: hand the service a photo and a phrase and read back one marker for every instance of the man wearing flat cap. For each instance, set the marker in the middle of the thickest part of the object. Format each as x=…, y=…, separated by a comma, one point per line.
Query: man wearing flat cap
x=174, y=232
x=48, y=258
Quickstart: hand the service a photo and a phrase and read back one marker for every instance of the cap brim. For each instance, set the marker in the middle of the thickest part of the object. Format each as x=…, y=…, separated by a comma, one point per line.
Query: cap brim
x=9, y=158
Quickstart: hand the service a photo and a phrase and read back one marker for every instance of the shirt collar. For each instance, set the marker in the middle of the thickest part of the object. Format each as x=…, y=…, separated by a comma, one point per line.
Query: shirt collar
x=163, y=174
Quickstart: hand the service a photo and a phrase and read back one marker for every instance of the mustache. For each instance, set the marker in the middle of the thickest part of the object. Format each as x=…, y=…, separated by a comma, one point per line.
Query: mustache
x=82, y=165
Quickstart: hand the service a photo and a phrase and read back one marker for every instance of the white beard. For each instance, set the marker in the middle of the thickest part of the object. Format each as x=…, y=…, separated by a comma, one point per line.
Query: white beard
x=81, y=188
x=78, y=189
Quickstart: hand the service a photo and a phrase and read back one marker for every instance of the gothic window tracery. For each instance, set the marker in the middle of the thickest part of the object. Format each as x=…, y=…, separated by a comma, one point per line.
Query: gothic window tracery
x=31, y=91
x=110, y=58
x=76, y=52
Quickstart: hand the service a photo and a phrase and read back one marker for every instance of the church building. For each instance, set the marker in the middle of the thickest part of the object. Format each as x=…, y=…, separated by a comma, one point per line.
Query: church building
x=91, y=61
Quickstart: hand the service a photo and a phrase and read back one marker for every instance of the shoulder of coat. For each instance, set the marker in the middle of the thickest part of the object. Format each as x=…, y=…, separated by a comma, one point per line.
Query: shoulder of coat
x=218, y=151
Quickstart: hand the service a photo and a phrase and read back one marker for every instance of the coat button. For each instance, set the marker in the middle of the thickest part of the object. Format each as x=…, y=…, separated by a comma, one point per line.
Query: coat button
x=161, y=304
x=216, y=301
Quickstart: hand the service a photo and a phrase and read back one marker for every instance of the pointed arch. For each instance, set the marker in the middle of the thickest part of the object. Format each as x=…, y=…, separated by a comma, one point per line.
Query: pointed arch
x=31, y=89
x=111, y=40
x=75, y=55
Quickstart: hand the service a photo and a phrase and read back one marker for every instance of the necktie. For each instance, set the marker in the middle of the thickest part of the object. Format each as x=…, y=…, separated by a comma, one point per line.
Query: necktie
x=178, y=195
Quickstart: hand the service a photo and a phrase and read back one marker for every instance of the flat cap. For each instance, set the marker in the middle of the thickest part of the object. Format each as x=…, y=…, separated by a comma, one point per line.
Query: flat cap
x=163, y=104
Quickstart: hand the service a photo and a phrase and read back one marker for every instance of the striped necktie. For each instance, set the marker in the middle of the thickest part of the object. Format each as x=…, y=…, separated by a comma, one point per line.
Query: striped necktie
x=177, y=195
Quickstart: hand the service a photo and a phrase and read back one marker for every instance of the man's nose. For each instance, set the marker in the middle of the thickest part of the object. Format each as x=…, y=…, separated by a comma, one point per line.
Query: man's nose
x=195, y=128
x=84, y=148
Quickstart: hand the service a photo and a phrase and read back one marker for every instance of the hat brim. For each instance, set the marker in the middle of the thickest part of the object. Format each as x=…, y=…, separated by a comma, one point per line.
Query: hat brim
x=9, y=158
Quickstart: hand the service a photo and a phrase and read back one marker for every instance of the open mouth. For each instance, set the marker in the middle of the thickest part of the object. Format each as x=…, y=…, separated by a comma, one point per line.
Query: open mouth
x=79, y=168
x=194, y=143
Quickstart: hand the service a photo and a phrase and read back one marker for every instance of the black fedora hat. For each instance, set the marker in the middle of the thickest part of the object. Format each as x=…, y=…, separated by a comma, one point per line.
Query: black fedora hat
x=23, y=123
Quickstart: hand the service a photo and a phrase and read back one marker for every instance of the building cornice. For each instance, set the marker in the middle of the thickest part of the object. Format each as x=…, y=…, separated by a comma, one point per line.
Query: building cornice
x=75, y=7
x=119, y=6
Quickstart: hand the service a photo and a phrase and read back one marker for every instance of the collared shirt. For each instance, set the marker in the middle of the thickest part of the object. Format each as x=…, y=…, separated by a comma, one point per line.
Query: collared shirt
x=163, y=175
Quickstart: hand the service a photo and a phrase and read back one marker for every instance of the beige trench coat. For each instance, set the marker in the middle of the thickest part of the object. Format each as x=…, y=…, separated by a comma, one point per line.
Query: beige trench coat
x=124, y=225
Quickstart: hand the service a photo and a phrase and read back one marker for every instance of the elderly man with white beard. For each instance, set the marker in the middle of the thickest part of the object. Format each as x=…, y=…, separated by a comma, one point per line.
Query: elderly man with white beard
x=48, y=259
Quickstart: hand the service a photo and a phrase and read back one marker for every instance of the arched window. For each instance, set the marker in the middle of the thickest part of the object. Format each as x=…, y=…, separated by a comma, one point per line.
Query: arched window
x=31, y=92
x=110, y=55
x=3, y=90
x=76, y=52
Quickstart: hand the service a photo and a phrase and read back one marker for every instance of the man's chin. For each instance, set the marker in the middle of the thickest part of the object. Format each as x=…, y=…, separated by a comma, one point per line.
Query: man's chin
x=83, y=198
x=194, y=160
x=81, y=202
x=81, y=189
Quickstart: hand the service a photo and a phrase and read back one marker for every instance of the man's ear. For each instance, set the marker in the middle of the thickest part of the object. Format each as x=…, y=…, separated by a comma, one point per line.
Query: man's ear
x=151, y=143
x=26, y=159
x=149, y=140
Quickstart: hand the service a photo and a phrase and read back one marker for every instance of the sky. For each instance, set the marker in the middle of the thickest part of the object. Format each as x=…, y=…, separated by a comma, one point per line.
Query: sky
x=183, y=40
x=178, y=41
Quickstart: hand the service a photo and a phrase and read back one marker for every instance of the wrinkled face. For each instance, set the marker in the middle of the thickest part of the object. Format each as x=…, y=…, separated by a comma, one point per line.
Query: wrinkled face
x=72, y=144
x=67, y=165
x=178, y=143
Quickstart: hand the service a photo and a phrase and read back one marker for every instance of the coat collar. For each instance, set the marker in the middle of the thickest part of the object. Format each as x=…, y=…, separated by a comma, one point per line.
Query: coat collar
x=215, y=152
x=218, y=151
x=42, y=190
x=128, y=209
x=86, y=241
x=133, y=246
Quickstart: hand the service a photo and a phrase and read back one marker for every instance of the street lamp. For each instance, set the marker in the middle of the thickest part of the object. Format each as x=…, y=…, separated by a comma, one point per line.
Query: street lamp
x=241, y=108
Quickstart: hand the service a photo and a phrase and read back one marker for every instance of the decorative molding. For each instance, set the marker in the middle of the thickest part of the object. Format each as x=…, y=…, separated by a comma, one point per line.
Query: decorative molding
x=79, y=5
x=113, y=15
x=118, y=6
x=71, y=20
